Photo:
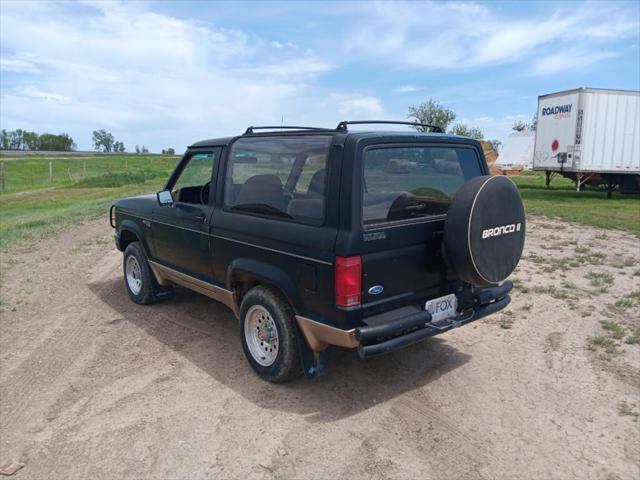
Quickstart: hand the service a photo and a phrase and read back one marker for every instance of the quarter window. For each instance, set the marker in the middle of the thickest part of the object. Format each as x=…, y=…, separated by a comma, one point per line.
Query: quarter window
x=411, y=182
x=282, y=177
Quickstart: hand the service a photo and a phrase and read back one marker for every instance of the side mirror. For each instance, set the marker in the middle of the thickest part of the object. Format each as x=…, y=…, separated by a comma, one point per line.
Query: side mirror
x=165, y=197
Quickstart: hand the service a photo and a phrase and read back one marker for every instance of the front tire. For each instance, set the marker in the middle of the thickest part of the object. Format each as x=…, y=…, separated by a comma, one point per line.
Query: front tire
x=269, y=335
x=137, y=275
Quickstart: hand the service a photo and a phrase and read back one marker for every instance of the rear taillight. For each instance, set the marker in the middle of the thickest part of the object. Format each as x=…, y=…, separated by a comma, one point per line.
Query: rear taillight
x=348, y=281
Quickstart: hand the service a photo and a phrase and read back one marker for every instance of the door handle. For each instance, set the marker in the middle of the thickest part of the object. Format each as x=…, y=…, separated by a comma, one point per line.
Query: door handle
x=199, y=217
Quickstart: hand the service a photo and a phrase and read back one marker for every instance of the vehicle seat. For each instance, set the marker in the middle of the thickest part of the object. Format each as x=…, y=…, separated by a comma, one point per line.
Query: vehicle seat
x=265, y=189
x=317, y=183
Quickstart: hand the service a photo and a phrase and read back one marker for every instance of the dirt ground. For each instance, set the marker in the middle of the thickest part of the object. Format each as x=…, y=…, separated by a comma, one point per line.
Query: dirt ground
x=94, y=386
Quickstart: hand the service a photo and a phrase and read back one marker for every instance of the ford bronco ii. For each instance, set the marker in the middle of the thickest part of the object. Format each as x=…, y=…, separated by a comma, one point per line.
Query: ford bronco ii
x=316, y=237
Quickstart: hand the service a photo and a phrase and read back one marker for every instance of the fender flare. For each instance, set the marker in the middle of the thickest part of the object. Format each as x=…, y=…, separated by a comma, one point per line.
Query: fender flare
x=131, y=226
x=265, y=273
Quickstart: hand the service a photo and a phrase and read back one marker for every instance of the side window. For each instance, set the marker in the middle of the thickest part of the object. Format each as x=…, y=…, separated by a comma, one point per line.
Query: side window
x=278, y=176
x=400, y=183
x=194, y=183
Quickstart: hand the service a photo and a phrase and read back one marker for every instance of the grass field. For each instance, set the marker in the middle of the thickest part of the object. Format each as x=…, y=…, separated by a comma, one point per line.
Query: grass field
x=32, y=172
x=32, y=206
x=591, y=206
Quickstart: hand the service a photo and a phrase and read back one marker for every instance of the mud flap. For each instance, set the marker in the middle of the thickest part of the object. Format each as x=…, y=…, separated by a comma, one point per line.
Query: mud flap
x=159, y=292
x=313, y=363
x=162, y=293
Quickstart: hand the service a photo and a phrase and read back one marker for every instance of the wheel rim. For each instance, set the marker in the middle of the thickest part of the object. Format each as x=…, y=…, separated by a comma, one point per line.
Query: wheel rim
x=261, y=335
x=133, y=274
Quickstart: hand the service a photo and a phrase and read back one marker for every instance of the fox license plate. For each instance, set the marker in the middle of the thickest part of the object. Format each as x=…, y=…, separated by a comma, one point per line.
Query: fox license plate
x=442, y=308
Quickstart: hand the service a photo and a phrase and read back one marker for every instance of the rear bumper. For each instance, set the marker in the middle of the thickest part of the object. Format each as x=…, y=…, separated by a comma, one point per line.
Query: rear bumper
x=370, y=347
x=404, y=330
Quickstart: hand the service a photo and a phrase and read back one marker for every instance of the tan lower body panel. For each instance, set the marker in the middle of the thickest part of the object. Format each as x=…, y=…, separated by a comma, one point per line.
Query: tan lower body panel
x=167, y=276
x=319, y=336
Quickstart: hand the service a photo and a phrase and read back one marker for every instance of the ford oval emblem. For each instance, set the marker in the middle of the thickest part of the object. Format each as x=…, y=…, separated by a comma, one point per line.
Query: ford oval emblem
x=376, y=290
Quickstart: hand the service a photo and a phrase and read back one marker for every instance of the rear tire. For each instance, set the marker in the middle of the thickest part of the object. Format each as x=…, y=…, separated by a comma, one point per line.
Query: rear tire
x=269, y=335
x=138, y=277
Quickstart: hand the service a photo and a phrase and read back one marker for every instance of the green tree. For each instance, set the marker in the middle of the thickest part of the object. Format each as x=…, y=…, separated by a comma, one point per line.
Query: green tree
x=145, y=149
x=22, y=139
x=4, y=140
x=464, y=131
x=67, y=142
x=520, y=126
x=534, y=122
x=103, y=140
x=432, y=112
x=31, y=140
x=169, y=151
x=61, y=143
x=118, y=147
x=15, y=139
x=48, y=141
x=495, y=144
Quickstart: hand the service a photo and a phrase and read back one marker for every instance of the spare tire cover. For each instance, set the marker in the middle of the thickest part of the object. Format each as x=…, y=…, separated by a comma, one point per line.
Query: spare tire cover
x=484, y=231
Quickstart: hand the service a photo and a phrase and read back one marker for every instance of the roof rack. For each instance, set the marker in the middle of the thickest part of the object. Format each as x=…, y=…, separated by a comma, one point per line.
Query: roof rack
x=250, y=130
x=342, y=126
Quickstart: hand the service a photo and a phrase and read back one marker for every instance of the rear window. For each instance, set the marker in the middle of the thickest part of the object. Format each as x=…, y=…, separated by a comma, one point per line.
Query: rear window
x=402, y=183
x=281, y=177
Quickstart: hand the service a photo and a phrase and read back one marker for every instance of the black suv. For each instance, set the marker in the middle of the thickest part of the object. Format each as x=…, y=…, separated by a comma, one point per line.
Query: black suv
x=314, y=237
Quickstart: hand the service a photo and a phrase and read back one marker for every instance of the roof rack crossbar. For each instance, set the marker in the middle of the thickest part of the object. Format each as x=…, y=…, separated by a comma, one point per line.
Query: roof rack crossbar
x=250, y=129
x=342, y=126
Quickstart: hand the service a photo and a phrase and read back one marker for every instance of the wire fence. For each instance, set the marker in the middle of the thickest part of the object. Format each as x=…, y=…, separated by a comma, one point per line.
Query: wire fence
x=30, y=172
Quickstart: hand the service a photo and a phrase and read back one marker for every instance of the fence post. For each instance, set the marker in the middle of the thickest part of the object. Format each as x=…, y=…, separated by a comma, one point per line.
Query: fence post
x=50, y=171
x=126, y=164
x=84, y=169
x=1, y=176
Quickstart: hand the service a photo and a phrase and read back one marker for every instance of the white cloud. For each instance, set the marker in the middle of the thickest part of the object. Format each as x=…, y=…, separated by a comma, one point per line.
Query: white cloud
x=406, y=89
x=516, y=40
x=301, y=66
x=35, y=92
x=616, y=27
x=454, y=36
x=566, y=61
x=148, y=77
x=279, y=45
x=353, y=106
x=167, y=81
x=13, y=64
x=118, y=36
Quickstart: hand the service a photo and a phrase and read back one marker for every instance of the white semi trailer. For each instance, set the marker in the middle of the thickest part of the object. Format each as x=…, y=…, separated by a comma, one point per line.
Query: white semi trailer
x=591, y=136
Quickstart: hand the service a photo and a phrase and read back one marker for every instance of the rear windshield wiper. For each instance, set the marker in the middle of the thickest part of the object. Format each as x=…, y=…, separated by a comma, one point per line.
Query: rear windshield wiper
x=261, y=208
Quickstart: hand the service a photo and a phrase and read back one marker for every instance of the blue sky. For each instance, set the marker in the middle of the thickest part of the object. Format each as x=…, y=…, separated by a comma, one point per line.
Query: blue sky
x=166, y=74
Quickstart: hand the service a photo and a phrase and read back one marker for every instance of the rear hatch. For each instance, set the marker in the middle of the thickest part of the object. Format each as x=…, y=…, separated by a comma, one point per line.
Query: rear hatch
x=405, y=190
